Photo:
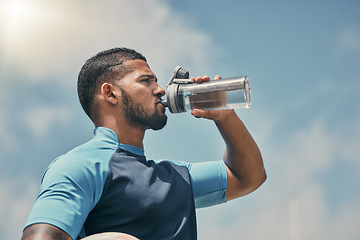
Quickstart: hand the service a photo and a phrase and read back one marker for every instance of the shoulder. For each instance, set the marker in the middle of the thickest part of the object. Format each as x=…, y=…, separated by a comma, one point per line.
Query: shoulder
x=85, y=165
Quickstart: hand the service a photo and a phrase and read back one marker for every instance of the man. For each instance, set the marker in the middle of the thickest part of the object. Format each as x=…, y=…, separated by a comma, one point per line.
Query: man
x=107, y=189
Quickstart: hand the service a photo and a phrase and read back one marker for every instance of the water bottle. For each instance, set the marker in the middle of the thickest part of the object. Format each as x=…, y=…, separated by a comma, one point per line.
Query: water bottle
x=184, y=95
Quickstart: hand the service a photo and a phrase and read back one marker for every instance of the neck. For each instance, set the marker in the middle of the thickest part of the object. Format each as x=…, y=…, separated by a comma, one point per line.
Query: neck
x=127, y=133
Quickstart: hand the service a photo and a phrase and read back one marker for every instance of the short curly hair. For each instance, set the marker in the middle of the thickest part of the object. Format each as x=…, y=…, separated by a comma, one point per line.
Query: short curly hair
x=99, y=69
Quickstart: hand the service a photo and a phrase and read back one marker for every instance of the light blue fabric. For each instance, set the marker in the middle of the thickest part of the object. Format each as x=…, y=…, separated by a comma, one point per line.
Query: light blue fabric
x=209, y=182
x=73, y=183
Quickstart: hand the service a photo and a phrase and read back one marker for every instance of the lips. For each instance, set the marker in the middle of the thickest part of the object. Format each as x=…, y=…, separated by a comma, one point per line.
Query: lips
x=161, y=106
x=159, y=101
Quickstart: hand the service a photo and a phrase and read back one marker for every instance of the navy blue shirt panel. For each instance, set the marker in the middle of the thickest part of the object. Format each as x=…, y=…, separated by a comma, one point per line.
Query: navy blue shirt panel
x=140, y=197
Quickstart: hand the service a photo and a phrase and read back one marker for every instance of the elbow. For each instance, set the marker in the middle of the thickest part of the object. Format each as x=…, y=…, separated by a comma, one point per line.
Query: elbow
x=254, y=177
x=255, y=183
x=244, y=179
x=245, y=185
x=261, y=176
x=261, y=180
x=257, y=179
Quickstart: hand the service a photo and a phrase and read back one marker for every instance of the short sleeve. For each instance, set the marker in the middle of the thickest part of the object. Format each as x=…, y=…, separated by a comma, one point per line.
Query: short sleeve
x=209, y=183
x=68, y=192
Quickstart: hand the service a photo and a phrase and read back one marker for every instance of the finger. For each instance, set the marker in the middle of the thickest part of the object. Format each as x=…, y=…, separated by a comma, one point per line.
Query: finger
x=208, y=114
x=217, y=77
x=202, y=79
x=198, y=79
x=206, y=78
x=198, y=113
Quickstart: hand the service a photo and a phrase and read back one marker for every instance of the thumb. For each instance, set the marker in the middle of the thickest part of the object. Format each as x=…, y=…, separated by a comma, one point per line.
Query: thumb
x=198, y=113
x=208, y=114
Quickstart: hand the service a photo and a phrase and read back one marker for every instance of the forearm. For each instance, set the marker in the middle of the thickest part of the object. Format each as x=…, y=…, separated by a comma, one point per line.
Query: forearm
x=242, y=155
x=245, y=167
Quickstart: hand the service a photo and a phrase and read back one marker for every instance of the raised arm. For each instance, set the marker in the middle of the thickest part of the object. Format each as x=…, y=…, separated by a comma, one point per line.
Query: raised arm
x=245, y=168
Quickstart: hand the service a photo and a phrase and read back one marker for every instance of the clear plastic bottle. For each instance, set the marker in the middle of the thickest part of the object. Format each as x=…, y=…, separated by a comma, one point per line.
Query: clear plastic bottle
x=184, y=95
x=231, y=93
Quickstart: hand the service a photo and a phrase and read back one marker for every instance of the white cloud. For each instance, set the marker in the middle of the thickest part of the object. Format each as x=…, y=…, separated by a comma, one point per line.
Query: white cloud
x=16, y=201
x=55, y=42
x=350, y=39
x=292, y=203
x=40, y=119
x=348, y=44
x=7, y=139
x=350, y=145
x=66, y=33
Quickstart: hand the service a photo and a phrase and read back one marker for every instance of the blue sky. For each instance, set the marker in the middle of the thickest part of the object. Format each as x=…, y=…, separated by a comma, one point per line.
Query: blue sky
x=303, y=62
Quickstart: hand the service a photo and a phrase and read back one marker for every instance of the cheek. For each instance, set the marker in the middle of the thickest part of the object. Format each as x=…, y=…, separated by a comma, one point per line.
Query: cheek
x=140, y=91
x=144, y=99
x=145, y=95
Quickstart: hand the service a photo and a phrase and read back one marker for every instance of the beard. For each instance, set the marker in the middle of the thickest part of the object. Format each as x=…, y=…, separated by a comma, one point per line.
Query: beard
x=136, y=113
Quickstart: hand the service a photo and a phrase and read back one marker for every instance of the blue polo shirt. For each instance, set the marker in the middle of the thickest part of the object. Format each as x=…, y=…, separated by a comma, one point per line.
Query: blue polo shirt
x=106, y=186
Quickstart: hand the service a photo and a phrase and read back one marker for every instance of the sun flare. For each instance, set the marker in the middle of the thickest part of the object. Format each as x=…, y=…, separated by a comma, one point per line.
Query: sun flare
x=16, y=13
x=20, y=19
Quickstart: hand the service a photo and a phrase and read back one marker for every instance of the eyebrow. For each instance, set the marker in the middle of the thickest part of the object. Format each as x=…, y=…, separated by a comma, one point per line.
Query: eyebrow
x=149, y=76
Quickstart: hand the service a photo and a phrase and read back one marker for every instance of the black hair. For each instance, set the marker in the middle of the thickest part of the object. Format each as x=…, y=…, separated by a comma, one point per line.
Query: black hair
x=99, y=69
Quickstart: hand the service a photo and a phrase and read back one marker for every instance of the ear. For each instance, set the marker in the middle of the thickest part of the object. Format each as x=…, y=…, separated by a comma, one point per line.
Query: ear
x=110, y=93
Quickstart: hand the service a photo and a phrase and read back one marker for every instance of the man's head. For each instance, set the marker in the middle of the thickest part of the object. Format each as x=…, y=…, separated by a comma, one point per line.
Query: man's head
x=99, y=69
x=126, y=71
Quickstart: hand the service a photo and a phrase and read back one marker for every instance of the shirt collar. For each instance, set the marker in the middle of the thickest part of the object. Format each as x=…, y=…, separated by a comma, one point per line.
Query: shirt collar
x=109, y=135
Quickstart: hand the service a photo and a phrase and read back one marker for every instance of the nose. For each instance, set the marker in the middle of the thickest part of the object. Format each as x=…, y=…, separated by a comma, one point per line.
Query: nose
x=159, y=91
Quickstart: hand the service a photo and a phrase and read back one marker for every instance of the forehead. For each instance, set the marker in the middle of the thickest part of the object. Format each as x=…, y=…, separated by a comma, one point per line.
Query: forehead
x=137, y=68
